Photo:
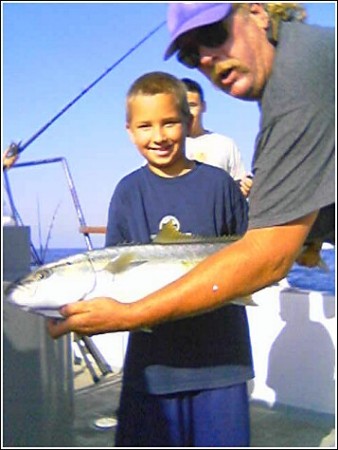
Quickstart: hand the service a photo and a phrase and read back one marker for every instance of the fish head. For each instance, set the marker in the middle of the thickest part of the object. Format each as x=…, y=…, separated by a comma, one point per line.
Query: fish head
x=46, y=289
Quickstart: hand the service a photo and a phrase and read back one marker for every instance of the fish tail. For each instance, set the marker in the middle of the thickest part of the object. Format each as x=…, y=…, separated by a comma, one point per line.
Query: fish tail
x=244, y=301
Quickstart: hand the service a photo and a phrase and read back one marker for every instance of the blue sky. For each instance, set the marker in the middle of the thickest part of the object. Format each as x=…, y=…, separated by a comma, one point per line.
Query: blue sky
x=54, y=50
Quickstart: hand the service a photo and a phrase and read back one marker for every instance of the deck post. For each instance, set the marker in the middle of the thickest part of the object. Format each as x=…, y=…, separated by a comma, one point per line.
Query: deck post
x=38, y=402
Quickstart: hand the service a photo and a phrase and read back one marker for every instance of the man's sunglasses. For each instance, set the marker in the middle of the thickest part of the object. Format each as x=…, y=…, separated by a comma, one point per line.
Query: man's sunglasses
x=211, y=36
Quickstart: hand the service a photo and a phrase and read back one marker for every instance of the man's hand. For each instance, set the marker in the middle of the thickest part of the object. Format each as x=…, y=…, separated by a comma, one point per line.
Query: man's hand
x=88, y=317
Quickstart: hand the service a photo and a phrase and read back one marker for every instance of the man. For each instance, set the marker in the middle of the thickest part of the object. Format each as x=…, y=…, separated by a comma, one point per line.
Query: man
x=251, y=51
x=210, y=147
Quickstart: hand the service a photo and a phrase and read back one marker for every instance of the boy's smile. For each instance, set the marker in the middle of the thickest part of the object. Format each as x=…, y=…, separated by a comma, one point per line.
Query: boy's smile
x=158, y=130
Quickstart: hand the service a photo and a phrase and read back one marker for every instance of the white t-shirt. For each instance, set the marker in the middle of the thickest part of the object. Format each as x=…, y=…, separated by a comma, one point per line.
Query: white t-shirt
x=217, y=150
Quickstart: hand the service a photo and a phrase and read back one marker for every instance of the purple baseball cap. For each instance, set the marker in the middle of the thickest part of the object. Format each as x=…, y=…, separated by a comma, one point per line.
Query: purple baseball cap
x=183, y=17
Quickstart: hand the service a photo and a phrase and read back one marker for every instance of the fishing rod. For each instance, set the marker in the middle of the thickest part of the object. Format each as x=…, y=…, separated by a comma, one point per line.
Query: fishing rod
x=15, y=149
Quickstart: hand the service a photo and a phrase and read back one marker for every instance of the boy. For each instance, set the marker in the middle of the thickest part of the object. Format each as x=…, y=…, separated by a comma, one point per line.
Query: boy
x=184, y=383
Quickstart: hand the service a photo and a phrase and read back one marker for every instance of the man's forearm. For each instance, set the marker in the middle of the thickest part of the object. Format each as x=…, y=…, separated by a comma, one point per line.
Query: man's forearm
x=259, y=259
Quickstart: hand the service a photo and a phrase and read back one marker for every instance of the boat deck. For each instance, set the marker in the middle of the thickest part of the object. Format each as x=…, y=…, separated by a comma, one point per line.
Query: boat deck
x=269, y=427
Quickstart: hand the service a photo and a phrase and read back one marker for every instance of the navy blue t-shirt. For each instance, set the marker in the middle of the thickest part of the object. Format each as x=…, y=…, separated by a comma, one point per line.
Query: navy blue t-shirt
x=209, y=351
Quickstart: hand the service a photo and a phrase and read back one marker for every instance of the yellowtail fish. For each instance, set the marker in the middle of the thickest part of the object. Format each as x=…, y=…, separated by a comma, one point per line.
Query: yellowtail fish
x=124, y=272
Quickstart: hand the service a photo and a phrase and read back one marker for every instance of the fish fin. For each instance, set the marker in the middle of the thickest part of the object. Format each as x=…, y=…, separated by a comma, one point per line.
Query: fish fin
x=169, y=234
x=310, y=256
x=188, y=264
x=122, y=263
x=230, y=238
x=244, y=301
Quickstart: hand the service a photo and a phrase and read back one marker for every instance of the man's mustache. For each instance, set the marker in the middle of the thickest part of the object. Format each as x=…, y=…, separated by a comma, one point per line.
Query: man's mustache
x=222, y=69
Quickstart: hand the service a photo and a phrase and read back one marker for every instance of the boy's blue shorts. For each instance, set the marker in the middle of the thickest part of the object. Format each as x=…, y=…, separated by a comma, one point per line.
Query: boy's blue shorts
x=208, y=418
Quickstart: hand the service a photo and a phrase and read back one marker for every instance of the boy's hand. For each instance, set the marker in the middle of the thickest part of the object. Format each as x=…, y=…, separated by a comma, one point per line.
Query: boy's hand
x=246, y=185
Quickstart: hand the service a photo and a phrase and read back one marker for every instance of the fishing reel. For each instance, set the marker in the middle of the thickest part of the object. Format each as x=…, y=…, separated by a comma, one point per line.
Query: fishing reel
x=13, y=149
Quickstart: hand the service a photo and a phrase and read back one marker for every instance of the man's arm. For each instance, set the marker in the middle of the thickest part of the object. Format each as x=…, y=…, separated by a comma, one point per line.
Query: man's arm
x=260, y=258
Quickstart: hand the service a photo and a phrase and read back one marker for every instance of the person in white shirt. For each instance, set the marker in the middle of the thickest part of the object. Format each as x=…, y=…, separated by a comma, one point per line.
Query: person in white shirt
x=210, y=147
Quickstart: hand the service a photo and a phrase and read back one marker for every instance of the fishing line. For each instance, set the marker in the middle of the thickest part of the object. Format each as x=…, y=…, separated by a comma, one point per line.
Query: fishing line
x=18, y=148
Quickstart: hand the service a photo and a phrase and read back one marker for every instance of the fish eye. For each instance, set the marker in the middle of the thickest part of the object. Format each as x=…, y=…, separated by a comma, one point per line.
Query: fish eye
x=41, y=274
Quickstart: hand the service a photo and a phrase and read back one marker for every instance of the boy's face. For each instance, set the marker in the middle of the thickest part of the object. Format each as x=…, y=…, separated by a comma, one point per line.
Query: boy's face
x=158, y=130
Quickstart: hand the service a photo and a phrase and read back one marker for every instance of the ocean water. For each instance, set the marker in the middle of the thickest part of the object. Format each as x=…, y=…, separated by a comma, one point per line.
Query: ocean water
x=314, y=279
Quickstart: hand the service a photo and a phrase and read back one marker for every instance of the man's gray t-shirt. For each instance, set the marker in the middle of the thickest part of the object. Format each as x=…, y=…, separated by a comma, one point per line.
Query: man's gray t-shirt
x=294, y=160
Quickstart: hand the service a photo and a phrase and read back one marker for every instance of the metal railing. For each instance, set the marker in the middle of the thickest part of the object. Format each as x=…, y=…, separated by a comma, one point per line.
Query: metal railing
x=85, y=343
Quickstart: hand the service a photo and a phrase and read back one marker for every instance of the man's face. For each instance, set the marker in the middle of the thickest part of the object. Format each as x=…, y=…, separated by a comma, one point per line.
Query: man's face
x=242, y=64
